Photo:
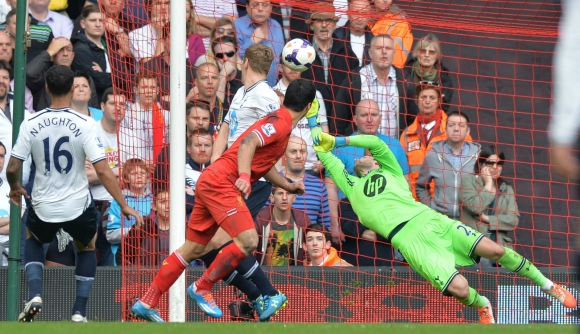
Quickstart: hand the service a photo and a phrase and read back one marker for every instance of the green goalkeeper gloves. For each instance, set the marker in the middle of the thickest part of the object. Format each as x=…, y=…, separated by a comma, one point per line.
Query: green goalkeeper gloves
x=326, y=143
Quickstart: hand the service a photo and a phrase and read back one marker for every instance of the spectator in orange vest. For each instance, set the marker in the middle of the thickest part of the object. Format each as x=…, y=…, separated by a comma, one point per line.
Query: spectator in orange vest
x=318, y=246
x=428, y=127
x=394, y=24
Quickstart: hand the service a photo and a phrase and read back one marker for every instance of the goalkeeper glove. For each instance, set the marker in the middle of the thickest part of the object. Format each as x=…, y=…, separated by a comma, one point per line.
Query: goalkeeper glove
x=327, y=143
x=312, y=114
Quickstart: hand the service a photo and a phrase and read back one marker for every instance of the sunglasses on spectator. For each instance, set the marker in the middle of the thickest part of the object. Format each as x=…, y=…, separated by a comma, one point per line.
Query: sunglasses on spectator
x=429, y=83
x=228, y=54
x=427, y=52
x=225, y=31
x=491, y=163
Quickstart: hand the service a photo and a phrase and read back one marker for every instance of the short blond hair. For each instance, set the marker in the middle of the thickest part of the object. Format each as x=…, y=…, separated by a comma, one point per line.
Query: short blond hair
x=260, y=58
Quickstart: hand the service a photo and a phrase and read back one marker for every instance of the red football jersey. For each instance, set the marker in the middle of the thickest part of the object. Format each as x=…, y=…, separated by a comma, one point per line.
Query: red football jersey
x=274, y=133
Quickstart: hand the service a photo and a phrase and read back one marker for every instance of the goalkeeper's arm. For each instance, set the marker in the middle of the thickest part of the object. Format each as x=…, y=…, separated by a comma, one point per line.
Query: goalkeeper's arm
x=378, y=148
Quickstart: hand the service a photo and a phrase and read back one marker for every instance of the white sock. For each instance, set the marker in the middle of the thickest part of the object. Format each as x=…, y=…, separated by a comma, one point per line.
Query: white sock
x=549, y=284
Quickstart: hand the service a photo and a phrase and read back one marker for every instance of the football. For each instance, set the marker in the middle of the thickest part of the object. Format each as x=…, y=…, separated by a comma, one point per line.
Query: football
x=298, y=54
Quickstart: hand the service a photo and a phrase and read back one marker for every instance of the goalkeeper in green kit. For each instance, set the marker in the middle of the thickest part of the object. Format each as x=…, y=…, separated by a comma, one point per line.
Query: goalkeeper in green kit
x=432, y=243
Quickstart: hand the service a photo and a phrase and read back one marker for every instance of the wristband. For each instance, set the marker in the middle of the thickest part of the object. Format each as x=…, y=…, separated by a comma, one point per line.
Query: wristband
x=313, y=121
x=339, y=142
x=245, y=177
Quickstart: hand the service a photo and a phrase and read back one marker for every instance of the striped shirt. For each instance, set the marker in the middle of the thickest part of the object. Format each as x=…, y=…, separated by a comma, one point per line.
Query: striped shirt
x=386, y=96
x=314, y=202
x=324, y=57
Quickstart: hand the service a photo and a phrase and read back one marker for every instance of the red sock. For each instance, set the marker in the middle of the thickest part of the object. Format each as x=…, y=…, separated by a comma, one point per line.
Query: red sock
x=225, y=262
x=169, y=272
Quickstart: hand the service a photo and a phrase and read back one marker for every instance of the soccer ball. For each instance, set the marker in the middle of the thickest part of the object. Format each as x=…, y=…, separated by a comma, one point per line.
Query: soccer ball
x=298, y=54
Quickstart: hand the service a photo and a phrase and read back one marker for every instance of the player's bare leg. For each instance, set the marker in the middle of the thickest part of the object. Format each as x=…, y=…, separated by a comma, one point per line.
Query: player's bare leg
x=33, y=264
x=169, y=272
x=513, y=261
x=85, y=271
x=466, y=295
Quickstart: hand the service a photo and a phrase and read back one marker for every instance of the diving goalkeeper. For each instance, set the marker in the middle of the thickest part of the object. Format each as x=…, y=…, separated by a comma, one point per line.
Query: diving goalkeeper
x=432, y=243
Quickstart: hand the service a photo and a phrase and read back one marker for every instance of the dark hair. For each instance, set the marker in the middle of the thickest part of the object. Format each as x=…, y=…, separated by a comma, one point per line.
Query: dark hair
x=317, y=227
x=202, y=104
x=2, y=144
x=274, y=188
x=88, y=10
x=224, y=40
x=145, y=74
x=4, y=65
x=484, y=154
x=83, y=74
x=110, y=92
x=10, y=15
x=59, y=80
x=199, y=132
x=158, y=189
x=300, y=92
x=458, y=113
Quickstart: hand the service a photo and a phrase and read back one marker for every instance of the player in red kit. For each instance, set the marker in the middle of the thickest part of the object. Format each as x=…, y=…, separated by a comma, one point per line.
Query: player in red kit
x=219, y=202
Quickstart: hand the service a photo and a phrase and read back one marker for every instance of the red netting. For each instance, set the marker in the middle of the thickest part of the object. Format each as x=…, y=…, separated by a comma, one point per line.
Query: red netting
x=495, y=63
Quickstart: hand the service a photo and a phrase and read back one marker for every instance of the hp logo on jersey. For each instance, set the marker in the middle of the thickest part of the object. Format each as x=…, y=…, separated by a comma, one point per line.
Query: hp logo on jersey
x=375, y=186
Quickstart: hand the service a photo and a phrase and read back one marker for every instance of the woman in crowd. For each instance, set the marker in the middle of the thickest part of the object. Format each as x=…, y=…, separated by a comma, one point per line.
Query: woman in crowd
x=82, y=95
x=428, y=127
x=223, y=27
x=488, y=201
x=425, y=67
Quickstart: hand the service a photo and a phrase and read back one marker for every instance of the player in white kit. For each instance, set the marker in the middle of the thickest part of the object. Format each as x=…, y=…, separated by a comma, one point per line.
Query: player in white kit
x=59, y=141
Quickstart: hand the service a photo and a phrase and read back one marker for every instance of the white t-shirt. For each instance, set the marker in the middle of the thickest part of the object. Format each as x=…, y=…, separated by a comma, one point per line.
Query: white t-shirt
x=4, y=212
x=191, y=176
x=215, y=9
x=248, y=106
x=357, y=43
x=109, y=143
x=302, y=129
x=136, y=133
x=59, y=141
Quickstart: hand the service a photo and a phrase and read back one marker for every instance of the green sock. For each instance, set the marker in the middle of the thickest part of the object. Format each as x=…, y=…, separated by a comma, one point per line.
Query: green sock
x=474, y=299
x=520, y=265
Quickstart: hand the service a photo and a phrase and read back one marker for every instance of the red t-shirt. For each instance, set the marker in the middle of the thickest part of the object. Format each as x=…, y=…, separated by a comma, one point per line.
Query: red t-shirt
x=274, y=132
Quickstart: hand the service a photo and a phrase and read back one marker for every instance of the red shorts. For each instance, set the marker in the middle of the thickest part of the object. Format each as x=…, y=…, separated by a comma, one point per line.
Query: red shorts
x=218, y=203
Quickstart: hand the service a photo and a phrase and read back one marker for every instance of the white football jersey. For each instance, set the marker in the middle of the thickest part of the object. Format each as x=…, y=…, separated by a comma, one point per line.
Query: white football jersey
x=59, y=141
x=302, y=129
x=248, y=106
x=191, y=176
x=109, y=142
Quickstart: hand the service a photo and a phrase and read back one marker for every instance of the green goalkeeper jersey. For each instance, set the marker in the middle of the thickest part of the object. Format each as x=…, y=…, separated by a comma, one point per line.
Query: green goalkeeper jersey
x=381, y=199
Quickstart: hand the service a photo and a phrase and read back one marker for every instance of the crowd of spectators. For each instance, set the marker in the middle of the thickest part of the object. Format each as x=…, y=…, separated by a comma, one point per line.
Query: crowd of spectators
x=373, y=77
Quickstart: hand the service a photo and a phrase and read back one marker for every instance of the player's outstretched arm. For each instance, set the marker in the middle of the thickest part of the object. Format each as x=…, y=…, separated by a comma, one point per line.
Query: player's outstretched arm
x=109, y=180
x=13, y=176
x=246, y=153
x=221, y=142
x=280, y=181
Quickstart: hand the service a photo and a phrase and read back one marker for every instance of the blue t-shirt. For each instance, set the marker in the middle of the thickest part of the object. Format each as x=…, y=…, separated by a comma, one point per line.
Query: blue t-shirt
x=97, y=114
x=347, y=155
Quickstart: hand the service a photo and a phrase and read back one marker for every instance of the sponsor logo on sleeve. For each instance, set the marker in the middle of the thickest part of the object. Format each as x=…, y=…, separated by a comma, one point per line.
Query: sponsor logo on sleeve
x=273, y=107
x=268, y=129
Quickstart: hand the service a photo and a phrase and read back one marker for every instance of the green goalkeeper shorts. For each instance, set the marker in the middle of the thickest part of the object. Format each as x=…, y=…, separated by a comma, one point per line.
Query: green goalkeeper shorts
x=434, y=245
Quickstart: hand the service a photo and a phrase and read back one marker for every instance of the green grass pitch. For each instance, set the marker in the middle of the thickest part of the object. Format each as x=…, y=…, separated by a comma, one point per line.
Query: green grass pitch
x=279, y=328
